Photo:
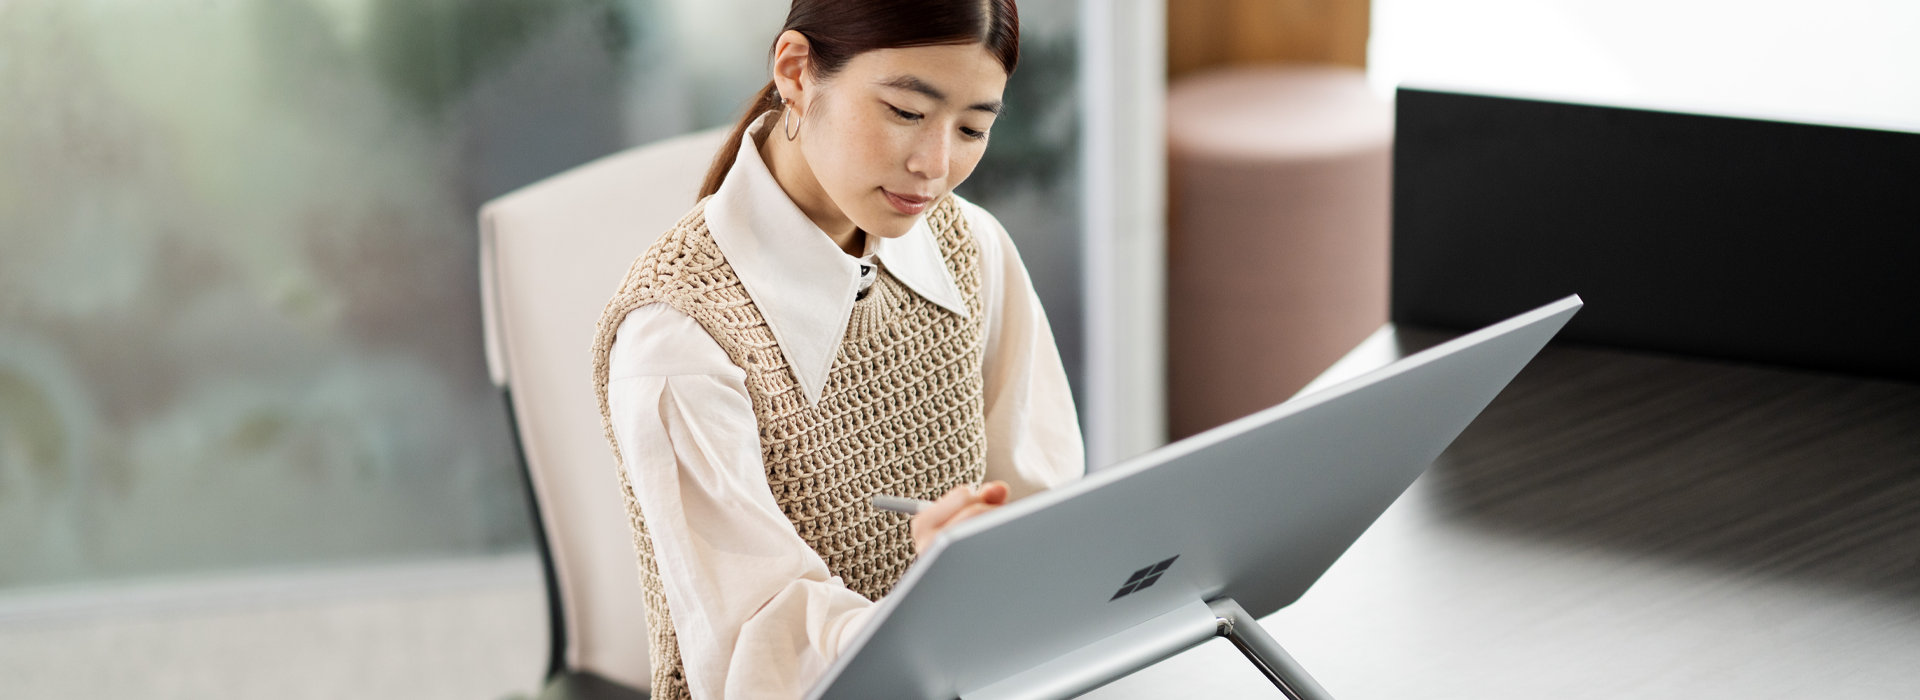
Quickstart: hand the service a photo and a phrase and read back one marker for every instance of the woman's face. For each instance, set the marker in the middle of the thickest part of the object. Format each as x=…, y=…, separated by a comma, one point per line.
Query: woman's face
x=897, y=129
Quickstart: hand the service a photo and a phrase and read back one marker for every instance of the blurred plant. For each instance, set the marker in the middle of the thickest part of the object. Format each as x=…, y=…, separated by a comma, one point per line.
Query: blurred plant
x=1036, y=140
x=432, y=51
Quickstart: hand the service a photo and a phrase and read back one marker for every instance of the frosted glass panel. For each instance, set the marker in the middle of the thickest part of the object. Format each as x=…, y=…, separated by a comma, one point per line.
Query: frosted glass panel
x=239, y=320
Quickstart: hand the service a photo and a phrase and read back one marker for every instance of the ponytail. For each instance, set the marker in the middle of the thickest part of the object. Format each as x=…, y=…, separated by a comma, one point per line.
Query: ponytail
x=769, y=98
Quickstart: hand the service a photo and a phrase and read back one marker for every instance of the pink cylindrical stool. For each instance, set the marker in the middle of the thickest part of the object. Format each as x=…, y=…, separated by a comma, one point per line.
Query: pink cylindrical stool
x=1277, y=244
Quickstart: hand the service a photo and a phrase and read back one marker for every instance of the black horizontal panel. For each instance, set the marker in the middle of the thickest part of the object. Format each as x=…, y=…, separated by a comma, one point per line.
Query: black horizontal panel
x=1741, y=239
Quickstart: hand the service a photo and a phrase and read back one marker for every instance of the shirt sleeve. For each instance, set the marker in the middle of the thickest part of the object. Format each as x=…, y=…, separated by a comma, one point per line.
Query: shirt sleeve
x=1033, y=431
x=755, y=608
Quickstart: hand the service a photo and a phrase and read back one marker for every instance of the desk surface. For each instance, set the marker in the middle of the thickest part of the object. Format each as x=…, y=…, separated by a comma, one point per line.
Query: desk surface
x=1618, y=523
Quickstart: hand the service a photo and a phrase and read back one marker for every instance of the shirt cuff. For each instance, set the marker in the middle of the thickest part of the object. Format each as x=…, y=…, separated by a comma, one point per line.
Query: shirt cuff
x=852, y=627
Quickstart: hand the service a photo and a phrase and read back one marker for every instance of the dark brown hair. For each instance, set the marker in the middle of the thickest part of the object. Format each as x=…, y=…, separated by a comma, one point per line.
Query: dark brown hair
x=838, y=30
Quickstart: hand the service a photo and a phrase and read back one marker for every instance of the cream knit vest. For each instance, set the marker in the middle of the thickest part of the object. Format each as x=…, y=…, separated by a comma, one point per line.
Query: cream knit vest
x=902, y=411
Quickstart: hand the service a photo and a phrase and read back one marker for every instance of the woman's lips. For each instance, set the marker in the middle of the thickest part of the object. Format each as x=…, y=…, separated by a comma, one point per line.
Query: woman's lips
x=904, y=204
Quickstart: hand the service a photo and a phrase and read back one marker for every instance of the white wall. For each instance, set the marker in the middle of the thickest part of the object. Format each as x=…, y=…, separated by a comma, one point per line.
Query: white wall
x=1849, y=62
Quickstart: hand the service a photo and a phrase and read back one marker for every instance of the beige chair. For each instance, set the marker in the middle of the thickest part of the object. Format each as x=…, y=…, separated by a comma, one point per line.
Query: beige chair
x=551, y=254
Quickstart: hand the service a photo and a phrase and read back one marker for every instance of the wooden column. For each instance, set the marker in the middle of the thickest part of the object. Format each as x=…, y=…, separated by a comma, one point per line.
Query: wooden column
x=1205, y=33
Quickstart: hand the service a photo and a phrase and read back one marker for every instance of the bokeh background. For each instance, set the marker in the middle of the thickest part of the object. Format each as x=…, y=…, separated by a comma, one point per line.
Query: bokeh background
x=239, y=311
x=248, y=447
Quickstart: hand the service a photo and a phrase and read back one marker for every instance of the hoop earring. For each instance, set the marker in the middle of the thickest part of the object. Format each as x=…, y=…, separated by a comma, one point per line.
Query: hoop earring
x=786, y=114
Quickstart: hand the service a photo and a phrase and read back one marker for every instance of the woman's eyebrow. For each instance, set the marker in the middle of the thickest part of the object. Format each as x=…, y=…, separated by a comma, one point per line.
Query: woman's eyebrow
x=915, y=84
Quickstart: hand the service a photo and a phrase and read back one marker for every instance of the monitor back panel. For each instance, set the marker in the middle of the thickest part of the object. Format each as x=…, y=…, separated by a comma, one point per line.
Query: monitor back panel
x=1255, y=510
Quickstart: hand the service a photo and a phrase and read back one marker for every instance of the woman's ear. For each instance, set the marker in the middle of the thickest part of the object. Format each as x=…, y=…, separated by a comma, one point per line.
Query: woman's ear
x=792, y=73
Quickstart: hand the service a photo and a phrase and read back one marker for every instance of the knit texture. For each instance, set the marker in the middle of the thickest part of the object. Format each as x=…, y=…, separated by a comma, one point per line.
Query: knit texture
x=902, y=412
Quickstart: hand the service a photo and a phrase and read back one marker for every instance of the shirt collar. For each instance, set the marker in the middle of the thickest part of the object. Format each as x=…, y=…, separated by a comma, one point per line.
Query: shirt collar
x=802, y=283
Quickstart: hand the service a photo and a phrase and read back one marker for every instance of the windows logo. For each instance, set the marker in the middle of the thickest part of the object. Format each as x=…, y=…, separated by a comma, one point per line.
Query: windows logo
x=1144, y=577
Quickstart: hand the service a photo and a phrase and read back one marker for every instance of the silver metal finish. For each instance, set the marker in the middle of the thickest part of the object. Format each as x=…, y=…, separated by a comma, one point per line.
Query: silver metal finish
x=1089, y=562
x=1109, y=659
x=899, y=504
x=1266, y=654
x=1152, y=642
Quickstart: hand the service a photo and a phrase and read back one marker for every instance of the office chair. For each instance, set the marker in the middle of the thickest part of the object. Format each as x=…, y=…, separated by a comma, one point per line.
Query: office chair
x=551, y=254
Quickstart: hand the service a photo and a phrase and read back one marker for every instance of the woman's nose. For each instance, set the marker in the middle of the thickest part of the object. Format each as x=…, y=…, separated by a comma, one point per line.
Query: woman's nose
x=929, y=159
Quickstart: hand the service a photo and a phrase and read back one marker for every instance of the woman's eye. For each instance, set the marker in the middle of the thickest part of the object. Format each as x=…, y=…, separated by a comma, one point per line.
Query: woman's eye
x=974, y=134
x=903, y=114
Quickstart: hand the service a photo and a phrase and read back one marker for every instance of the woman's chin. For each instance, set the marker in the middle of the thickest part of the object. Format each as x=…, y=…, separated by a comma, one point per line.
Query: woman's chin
x=892, y=226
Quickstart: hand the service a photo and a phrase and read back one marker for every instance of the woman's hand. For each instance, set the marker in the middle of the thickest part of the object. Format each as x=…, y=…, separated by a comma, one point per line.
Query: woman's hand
x=960, y=504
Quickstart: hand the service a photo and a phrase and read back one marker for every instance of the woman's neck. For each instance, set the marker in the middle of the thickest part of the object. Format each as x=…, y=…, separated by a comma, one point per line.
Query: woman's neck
x=790, y=169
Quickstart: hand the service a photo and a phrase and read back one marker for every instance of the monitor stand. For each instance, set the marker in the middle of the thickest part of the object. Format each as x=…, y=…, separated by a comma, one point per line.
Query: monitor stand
x=1151, y=642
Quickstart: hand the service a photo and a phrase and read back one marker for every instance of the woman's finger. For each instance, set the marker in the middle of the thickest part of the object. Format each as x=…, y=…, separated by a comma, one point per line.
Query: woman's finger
x=959, y=504
x=995, y=492
x=968, y=513
x=929, y=521
x=923, y=535
x=945, y=506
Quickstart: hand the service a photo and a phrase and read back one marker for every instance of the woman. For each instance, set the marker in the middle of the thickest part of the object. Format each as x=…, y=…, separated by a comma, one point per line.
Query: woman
x=828, y=323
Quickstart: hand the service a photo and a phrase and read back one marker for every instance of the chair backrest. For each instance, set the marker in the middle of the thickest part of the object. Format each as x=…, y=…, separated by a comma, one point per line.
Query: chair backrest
x=551, y=254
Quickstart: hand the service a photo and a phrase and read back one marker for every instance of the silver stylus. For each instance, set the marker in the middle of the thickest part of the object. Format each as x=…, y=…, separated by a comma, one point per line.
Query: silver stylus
x=898, y=504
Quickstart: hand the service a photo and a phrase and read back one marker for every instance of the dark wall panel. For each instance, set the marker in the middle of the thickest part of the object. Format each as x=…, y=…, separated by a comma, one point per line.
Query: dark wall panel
x=1741, y=239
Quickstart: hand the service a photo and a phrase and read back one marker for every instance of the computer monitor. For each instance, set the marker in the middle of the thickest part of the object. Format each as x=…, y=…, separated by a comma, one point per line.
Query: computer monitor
x=1254, y=510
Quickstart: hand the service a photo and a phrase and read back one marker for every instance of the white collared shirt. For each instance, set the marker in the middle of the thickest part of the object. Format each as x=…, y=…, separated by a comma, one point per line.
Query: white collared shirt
x=755, y=608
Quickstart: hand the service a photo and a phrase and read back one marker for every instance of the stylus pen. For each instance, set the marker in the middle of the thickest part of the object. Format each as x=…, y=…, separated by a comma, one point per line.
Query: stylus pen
x=898, y=504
